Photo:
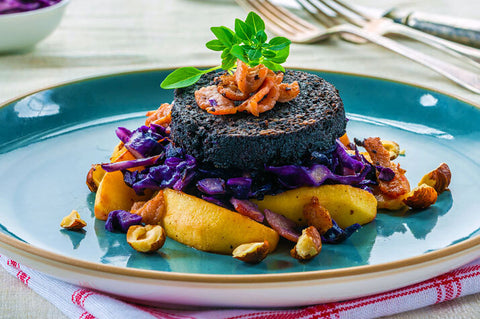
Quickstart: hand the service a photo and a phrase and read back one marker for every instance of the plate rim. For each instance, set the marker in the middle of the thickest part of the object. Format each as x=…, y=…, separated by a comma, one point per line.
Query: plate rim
x=9, y=243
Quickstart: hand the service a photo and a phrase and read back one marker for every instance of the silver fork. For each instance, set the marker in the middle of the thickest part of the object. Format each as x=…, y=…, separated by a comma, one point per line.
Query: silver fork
x=289, y=25
x=384, y=26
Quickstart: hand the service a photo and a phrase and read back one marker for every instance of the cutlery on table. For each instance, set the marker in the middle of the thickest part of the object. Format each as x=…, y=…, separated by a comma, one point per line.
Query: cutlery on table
x=384, y=26
x=285, y=23
x=455, y=29
x=461, y=30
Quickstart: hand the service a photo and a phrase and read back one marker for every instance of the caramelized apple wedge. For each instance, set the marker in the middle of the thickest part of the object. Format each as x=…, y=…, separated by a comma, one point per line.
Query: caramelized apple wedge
x=209, y=227
x=346, y=204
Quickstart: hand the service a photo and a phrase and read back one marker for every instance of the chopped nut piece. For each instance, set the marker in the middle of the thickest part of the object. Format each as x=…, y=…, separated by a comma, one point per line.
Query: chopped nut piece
x=392, y=147
x=73, y=221
x=146, y=239
x=421, y=197
x=439, y=178
x=308, y=246
x=252, y=253
x=94, y=177
x=317, y=216
x=152, y=210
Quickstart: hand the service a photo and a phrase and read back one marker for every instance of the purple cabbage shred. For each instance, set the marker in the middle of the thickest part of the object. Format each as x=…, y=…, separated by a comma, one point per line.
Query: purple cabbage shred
x=336, y=235
x=16, y=6
x=385, y=174
x=121, y=220
x=211, y=186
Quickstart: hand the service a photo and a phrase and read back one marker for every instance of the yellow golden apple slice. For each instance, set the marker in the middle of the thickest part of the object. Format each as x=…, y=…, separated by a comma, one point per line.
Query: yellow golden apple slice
x=209, y=227
x=114, y=194
x=346, y=204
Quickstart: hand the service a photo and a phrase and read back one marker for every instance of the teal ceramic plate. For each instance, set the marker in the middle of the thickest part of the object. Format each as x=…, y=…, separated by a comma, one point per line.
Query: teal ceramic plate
x=49, y=139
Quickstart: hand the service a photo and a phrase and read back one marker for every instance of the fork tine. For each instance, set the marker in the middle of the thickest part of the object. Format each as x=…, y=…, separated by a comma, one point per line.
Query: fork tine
x=316, y=15
x=287, y=17
x=353, y=10
x=274, y=25
x=278, y=20
x=343, y=12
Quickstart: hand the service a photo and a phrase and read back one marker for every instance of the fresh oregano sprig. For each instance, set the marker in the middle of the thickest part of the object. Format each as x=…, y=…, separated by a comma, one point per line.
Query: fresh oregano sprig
x=247, y=43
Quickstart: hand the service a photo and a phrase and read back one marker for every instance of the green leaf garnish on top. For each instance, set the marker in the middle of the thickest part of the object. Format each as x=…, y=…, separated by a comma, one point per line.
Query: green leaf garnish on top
x=247, y=43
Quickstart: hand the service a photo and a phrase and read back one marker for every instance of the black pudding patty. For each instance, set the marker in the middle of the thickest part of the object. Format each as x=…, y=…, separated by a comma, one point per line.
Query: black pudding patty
x=284, y=135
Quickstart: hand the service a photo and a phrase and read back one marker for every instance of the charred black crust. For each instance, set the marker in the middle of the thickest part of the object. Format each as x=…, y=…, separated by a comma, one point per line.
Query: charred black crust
x=284, y=135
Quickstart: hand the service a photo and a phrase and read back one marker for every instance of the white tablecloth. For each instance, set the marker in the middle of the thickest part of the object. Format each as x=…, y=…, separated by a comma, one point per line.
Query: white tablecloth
x=105, y=36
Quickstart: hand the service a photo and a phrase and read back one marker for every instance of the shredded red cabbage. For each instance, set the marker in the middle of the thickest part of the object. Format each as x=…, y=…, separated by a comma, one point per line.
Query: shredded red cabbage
x=211, y=186
x=336, y=235
x=240, y=187
x=118, y=166
x=169, y=166
x=15, y=6
x=120, y=221
x=385, y=173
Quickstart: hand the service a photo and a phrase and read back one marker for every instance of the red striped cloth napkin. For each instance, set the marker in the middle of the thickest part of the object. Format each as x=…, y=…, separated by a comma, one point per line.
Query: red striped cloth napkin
x=80, y=303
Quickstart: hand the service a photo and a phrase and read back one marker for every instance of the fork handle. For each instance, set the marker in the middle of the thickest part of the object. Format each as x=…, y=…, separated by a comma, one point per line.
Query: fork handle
x=447, y=46
x=465, y=78
x=461, y=30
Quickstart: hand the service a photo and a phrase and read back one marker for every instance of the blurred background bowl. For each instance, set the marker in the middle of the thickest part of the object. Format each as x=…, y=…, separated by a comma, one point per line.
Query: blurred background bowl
x=22, y=31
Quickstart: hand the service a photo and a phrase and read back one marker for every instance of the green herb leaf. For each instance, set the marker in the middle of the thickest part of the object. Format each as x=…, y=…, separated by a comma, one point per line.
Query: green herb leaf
x=281, y=55
x=269, y=54
x=255, y=22
x=243, y=31
x=183, y=77
x=225, y=35
x=273, y=66
x=261, y=36
x=229, y=62
x=239, y=52
x=215, y=45
x=254, y=54
x=279, y=43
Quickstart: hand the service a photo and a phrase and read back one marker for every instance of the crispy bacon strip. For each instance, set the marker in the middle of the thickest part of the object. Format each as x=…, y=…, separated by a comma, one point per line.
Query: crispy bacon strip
x=162, y=116
x=255, y=77
x=213, y=102
x=399, y=185
x=251, y=105
x=229, y=89
x=258, y=87
x=288, y=91
x=241, y=76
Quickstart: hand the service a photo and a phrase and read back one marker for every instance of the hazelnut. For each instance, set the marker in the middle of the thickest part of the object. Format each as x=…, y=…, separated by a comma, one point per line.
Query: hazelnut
x=439, y=178
x=151, y=211
x=73, y=221
x=392, y=147
x=317, y=216
x=252, y=253
x=308, y=246
x=146, y=239
x=421, y=197
x=94, y=177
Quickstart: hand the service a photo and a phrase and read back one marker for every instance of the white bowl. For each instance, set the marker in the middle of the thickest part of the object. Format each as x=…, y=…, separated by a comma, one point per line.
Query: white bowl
x=21, y=31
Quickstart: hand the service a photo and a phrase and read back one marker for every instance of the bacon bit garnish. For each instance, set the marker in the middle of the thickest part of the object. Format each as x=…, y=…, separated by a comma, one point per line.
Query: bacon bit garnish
x=399, y=185
x=288, y=91
x=258, y=87
x=229, y=89
x=282, y=225
x=241, y=76
x=252, y=104
x=162, y=116
x=248, y=209
x=213, y=102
